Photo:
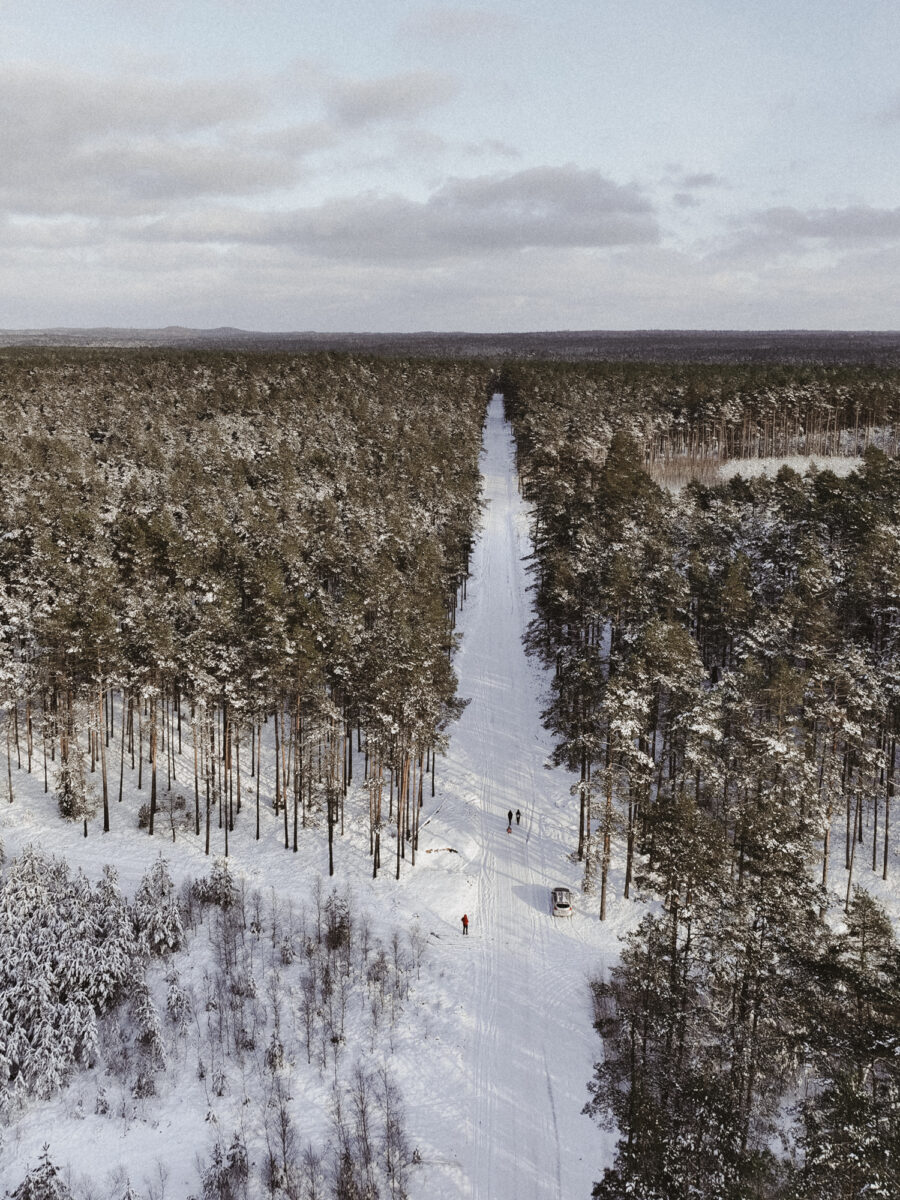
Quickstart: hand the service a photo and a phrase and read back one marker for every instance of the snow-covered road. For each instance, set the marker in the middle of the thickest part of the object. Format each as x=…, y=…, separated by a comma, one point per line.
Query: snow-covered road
x=526, y=1036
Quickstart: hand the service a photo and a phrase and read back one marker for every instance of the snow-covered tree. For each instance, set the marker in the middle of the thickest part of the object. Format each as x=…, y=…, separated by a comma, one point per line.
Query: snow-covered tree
x=42, y=1182
x=157, y=918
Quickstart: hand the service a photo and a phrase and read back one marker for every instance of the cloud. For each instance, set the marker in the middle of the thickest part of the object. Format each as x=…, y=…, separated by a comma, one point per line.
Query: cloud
x=458, y=24
x=120, y=178
x=297, y=139
x=76, y=143
x=702, y=179
x=788, y=237
x=855, y=223
x=111, y=146
x=49, y=107
x=358, y=103
x=256, y=285
x=691, y=181
x=491, y=148
x=540, y=207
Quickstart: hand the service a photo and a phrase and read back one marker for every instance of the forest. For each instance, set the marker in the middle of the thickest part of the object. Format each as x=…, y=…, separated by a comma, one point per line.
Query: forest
x=194, y=547
x=229, y=582
x=725, y=664
x=207, y=561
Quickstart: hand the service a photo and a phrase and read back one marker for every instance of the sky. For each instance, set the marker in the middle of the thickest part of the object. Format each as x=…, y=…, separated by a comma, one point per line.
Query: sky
x=395, y=166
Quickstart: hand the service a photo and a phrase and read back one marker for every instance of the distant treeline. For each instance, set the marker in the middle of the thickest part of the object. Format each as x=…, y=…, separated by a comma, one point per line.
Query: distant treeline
x=867, y=348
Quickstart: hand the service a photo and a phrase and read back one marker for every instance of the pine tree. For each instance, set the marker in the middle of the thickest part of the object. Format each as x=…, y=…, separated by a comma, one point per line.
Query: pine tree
x=75, y=794
x=157, y=917
x=43, y=1182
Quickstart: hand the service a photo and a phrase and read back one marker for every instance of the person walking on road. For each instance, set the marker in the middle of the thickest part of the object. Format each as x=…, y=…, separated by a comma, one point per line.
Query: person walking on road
x=518, y=816
x=509, y=818
x=465, y=923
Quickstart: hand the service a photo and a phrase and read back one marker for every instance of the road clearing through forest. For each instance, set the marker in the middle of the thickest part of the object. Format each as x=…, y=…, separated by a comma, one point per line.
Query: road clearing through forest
x=522, y=983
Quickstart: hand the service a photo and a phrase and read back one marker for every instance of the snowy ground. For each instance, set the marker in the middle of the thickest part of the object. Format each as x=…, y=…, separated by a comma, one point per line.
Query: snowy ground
x=519, y=981
x=801, y=463
x=495, y=1047
x=676, y=473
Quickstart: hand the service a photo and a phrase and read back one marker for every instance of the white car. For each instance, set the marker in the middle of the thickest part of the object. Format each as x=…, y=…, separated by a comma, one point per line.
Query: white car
x=561, y=902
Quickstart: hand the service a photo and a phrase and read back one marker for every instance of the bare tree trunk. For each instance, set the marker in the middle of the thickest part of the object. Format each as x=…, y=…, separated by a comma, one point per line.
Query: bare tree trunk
x=167, y=734
x=196, y=775
x=152, y=762
x=378, y=783
x=16, y=729
x=401, y=805
x=846, y=789
x=889, y=795
x=102, y=740
x=298, y=782
x=277, y=764
x=330, y=806
x=581, y=833
x=237, y=766
x=604, y=866
x=629, y=849
x=284, y=776
x=370, y=782
x=207, y=756
x=46, y=718
x=301, y=768
x=8, y=760
x=852, y=852
x=122, y=749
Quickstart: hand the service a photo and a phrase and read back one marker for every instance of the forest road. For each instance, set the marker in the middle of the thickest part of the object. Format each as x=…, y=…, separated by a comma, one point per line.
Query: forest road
x=530, y=1042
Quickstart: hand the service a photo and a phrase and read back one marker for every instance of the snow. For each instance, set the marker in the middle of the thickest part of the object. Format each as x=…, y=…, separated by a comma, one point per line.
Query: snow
x=526, y=1040
x=750, y=467
x=675, y=473
x=495, y=1047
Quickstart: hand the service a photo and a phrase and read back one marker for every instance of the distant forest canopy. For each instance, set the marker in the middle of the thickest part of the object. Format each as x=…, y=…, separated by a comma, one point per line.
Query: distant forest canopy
x=725, y=664
x=215, y=541
x=792, y=346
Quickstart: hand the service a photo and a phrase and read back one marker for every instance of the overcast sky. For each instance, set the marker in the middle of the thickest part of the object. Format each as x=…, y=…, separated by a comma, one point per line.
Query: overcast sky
x=390, y=165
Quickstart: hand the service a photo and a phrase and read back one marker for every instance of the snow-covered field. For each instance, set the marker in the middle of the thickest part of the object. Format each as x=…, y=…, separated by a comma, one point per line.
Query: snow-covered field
x=493, y=1048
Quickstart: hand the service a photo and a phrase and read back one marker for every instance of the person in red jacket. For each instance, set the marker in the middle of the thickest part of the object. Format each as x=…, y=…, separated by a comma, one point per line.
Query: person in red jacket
x=465, y=923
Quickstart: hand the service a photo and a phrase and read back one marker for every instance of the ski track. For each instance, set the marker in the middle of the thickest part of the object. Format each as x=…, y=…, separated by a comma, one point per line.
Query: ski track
x=530, y=1045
